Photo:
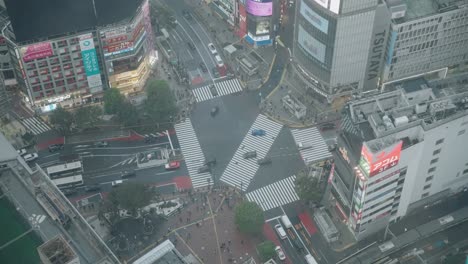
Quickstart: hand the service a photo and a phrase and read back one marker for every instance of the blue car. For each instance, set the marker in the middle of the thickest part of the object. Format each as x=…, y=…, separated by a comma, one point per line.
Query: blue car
x=258, y=132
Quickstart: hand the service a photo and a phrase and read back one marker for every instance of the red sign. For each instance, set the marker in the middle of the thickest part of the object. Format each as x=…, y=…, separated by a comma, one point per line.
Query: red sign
x=120, y=46
x=383, y=160
x=242, y=21
x=37, y=51
x=332, y=173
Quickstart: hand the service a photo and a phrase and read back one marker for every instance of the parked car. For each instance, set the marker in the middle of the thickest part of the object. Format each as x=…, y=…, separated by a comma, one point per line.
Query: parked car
x=22, y=152
x=258, y=132
x=173, y=165
x=56, y=147
x=264, y=161
x=212, y=48
x=191, y=45
x=298, y=244
x=101, y=144
x=93, y=188
x=280, y=231
x=116, y=183
x=250, y=154
x=127, y=174
x=203, y=67
x=30, y=157
x=214, y=111
x=280, y=253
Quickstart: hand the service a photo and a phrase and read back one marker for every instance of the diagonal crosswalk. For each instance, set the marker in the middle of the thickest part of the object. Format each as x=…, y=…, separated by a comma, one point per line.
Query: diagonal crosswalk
x=314, y=147
x=35, y=125
x=240, y=171
x=193, y=154
x=274, y=195
x=221, y=88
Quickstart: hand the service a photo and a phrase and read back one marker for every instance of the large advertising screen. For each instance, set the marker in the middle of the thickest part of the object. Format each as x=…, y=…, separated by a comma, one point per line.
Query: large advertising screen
x=262, y=27
x=90, y=62
x=335, y=6
x=315, y=19
x=259, y=7
x=36, y=51
x=375, y=163
x=312, y=46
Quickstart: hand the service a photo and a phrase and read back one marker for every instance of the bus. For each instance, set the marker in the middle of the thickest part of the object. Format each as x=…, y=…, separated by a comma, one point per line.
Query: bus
x=310, y=259
x=67, y=175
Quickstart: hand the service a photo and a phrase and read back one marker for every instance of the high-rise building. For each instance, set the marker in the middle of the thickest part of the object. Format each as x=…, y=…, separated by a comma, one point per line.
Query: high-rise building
x=5, y=104
x=340, y=44
x=68, y=52
x=397, y=152
x=426, y=36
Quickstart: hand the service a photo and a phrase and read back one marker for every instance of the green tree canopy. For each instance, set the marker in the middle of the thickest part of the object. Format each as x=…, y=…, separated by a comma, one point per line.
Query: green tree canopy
x=162, y=17
x=266, y=250
x=113, y=100
x=130, y=196
x=307, y=188
x=249, y=217
x=87, y=117
x=62, y=120
x=128, y=114
x=160, y=104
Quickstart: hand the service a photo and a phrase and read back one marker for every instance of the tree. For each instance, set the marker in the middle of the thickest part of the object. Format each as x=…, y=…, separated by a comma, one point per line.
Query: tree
x=160, y=103
x=128, y=114
x=113, y=100
x=62, y=120
x=249, y=217
x=266, y=250
x=87, y=117
x=307, y=188
x=130, y=196
x=161, y=16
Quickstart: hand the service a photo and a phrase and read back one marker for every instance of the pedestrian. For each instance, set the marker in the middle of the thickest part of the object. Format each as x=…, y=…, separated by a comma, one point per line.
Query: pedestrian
x=242, y=242
x=229, y=242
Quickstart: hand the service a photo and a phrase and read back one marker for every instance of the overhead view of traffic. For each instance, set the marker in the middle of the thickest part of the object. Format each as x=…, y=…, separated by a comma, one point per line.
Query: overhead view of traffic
x=234, y=131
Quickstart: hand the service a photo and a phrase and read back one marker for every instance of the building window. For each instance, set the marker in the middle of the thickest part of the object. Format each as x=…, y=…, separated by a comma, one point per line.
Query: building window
x=461, y=132
x=427, y=186
x=425, y=195
x=437, y=151
x=429, y=178
x=440, y=141
x=431, y=170
x=434, y=160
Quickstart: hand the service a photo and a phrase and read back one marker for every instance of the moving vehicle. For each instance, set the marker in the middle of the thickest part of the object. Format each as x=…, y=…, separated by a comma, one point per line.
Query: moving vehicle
x=173, y=165
x=203, y=67
x=68, y=192
x=280, y=253
x=310, y=259
x=56, y=147
x=93, y=188
x=258, y=132
x=214, y=111
x=264, y=161
x=116, y=183
x=101, y=144
x=210, y=162
x=219, y=61
x=215, y=72
x=30, y=157
x=212, y=48
x=22, y=152
x=280, y=230
x=285, y=221
x=298, y=244
x=250, y=154
x=327, y=126
x=187, y=14
x=302, y=146
x=67, y=175
x=68, y=182
x=127, y=174
x=203, y=169
x=191, y=46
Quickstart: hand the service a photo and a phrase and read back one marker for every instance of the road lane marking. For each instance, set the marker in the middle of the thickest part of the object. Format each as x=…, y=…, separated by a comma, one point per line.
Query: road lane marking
x=110, y=182
x=51, y=155
x=166, y=172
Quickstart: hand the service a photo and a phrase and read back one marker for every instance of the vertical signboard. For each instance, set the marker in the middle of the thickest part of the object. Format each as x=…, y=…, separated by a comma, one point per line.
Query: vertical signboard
x=36, y=51
x=90, y=61
x=242, y=21
x=375, y=163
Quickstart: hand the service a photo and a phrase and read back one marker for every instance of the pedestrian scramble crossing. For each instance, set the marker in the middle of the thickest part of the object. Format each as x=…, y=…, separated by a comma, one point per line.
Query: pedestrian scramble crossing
x=221, y=88
x=35, y=125
x=313, y=147
x=275, y=195
x=193, y=154
x=240, y=171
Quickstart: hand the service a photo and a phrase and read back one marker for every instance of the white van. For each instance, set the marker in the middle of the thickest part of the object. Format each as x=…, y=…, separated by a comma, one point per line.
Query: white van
x=286, y=221
x=280, y=230
x=310, y=259
x=219, y=61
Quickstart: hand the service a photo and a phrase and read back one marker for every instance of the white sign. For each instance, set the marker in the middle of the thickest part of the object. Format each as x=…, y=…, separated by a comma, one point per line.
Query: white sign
x=86, y=42
x=311, y=45
x=258, y=38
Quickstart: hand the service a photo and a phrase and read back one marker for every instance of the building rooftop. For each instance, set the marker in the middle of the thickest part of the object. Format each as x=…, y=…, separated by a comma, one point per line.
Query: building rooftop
x=421, y=8
x=7, y=152
x=33, y=20
x=161, y=254
x=57, y=251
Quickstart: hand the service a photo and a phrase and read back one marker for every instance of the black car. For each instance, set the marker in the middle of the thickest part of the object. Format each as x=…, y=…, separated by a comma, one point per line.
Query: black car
x=250, y=154
x=93, y=188
x=210, y=162
x=204, y=168
x=191, y=46
x=127, y=174
x=214, y=111
x=101, y=144
x=56, y=147
x=264, y=161
x=69, y=192
x=187, y=15
x=203, y=67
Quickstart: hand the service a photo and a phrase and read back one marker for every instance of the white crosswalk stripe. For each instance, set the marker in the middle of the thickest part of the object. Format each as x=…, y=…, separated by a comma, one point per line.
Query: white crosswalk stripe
x=193, y=154
x=35, y=125
x=275, y=195
x=240, y=171
x=222, y=88
x=314, y=146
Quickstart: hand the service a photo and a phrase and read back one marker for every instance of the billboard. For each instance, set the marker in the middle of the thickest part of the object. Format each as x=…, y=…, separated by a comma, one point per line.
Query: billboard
x=242, y=21
x=259, y=8
x=335, y=6
x=90, y=62
x=36, y=51
x=262, y=27
x=315, y=19
x=312, y=46
x=375, y=163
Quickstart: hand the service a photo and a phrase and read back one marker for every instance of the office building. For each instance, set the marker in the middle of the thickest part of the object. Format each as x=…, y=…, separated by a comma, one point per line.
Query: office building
x=339, y=45
x=68, y=53
x=398, y=151
x=428, y=36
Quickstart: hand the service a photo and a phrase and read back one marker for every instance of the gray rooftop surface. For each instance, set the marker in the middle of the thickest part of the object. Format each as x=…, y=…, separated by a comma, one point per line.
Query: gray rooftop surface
x=419, y=8
x=39, y=19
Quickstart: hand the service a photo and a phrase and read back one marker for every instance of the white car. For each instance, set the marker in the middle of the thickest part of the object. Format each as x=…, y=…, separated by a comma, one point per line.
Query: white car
x=116, y=183
x=280, y=230
x=212, y=48
x=280, y=253
x=22, y=152
x=30, y=157
x=219, y=61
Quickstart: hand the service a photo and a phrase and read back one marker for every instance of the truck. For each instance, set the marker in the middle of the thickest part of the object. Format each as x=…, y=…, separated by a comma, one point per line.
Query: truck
x=286, y=222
